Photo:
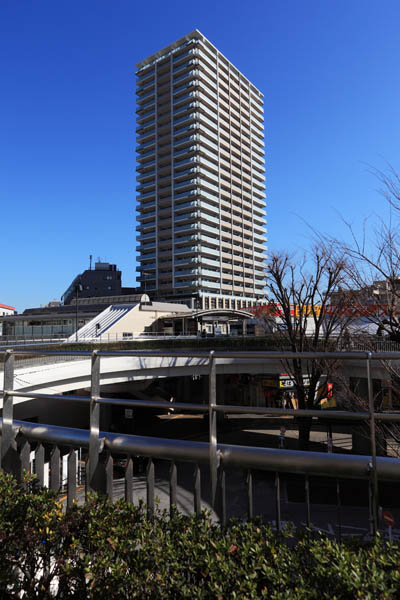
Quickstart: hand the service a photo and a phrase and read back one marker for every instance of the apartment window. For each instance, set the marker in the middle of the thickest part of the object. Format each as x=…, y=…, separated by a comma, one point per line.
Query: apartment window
x=220, y=303
x=213, y=303
x=206, y=303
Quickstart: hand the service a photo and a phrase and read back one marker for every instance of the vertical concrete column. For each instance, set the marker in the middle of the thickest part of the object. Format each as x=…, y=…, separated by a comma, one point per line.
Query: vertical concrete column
x=244, y=327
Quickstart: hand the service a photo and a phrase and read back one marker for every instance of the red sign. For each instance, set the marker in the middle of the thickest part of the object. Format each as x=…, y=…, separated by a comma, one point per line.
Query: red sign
x=388, y=518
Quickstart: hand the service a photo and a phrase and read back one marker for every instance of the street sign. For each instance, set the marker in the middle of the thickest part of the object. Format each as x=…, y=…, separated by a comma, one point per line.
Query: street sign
x=388, y=518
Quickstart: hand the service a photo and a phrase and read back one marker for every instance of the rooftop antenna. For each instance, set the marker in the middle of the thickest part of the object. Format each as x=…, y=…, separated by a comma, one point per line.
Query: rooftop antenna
x=90, y=259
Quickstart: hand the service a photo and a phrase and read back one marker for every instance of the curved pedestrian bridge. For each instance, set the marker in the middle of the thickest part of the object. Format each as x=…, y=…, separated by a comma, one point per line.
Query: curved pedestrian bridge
x=58, y=372
x=62, y=373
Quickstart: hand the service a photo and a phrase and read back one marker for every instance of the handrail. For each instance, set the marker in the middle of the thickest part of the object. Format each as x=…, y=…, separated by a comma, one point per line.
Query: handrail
x=230, y=456
x=250, y=354
x=340, y=415
x=215, y=454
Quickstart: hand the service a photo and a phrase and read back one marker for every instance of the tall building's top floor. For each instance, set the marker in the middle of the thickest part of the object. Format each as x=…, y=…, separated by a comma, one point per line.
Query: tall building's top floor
x=184, y=41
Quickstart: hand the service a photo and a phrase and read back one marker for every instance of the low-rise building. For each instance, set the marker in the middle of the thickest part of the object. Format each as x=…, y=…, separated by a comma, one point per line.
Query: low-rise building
x=4, y=311
x=129, y=320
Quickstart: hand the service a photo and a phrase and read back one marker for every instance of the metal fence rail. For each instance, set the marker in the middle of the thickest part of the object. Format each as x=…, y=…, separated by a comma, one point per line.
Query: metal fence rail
x=51, y=442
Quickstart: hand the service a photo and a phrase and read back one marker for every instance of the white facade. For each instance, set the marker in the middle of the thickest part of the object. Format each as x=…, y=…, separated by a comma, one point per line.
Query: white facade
x=126, y=321
x=201, y=180
x=6, y=310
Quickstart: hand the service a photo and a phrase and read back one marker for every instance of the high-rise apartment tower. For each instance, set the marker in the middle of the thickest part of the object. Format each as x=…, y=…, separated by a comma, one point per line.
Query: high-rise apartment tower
x=201, y=180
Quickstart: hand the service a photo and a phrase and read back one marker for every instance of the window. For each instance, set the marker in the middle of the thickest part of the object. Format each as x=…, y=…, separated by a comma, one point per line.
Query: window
x=213, y=303
x=206, y=303
x=220, y=303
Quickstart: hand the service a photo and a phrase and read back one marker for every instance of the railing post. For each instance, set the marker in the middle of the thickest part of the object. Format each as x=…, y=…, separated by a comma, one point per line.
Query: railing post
x=173, y=478
x=307, y=494
x=24, y=454
x=212, y=414
x=374, y=475
x=129, y=480
x=250, y=509
x=8, y=445
x=55, y=469
x=94, y=442
x=39, y=464
x=71, y=477
x=278, y=501
x=150, y=488
x=339, y=510
x=197, y=490
x=222, y=484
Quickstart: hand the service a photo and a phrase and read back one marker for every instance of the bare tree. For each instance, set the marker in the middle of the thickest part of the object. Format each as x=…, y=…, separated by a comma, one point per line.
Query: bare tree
x=373, y=264
x=373, y=271
x=301, y=295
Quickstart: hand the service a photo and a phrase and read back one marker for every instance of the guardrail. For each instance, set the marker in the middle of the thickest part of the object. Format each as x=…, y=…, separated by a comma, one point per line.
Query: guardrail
x=358, y=343
x=7, y=341
x=17, y=436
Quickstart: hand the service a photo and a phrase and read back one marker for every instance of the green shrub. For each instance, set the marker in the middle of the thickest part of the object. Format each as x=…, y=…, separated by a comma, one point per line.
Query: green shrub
x=103, y=550
x=215, y=343
x=29, y=536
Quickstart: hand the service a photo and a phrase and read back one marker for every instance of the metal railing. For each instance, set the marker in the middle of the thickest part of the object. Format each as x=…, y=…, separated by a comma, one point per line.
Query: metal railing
x=100, y=447
x=27, y=340
x=358, y=343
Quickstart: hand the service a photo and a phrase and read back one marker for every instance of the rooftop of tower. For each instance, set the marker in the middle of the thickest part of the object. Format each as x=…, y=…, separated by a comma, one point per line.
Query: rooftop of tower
x=195, y=34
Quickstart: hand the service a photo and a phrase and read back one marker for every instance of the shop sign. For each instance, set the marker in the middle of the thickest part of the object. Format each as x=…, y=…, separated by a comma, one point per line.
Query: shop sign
x=287, y=383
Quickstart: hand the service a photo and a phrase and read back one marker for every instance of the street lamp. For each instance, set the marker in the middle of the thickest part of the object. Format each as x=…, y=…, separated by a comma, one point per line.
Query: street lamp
x=78, y=288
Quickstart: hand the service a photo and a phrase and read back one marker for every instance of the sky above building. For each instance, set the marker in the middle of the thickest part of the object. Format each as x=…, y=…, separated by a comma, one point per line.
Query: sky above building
x=329, y=71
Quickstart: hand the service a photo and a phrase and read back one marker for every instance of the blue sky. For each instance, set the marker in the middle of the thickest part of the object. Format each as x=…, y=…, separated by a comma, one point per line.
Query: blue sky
x=329, y=70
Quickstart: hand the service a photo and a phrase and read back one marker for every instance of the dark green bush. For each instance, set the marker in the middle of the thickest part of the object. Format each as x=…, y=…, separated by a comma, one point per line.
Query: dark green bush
x=214, y=343
x=103, y=550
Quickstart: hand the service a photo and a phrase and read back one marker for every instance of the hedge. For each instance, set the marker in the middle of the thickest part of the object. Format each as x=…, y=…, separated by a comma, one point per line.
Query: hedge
x=102, y=550
x=206, y=344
